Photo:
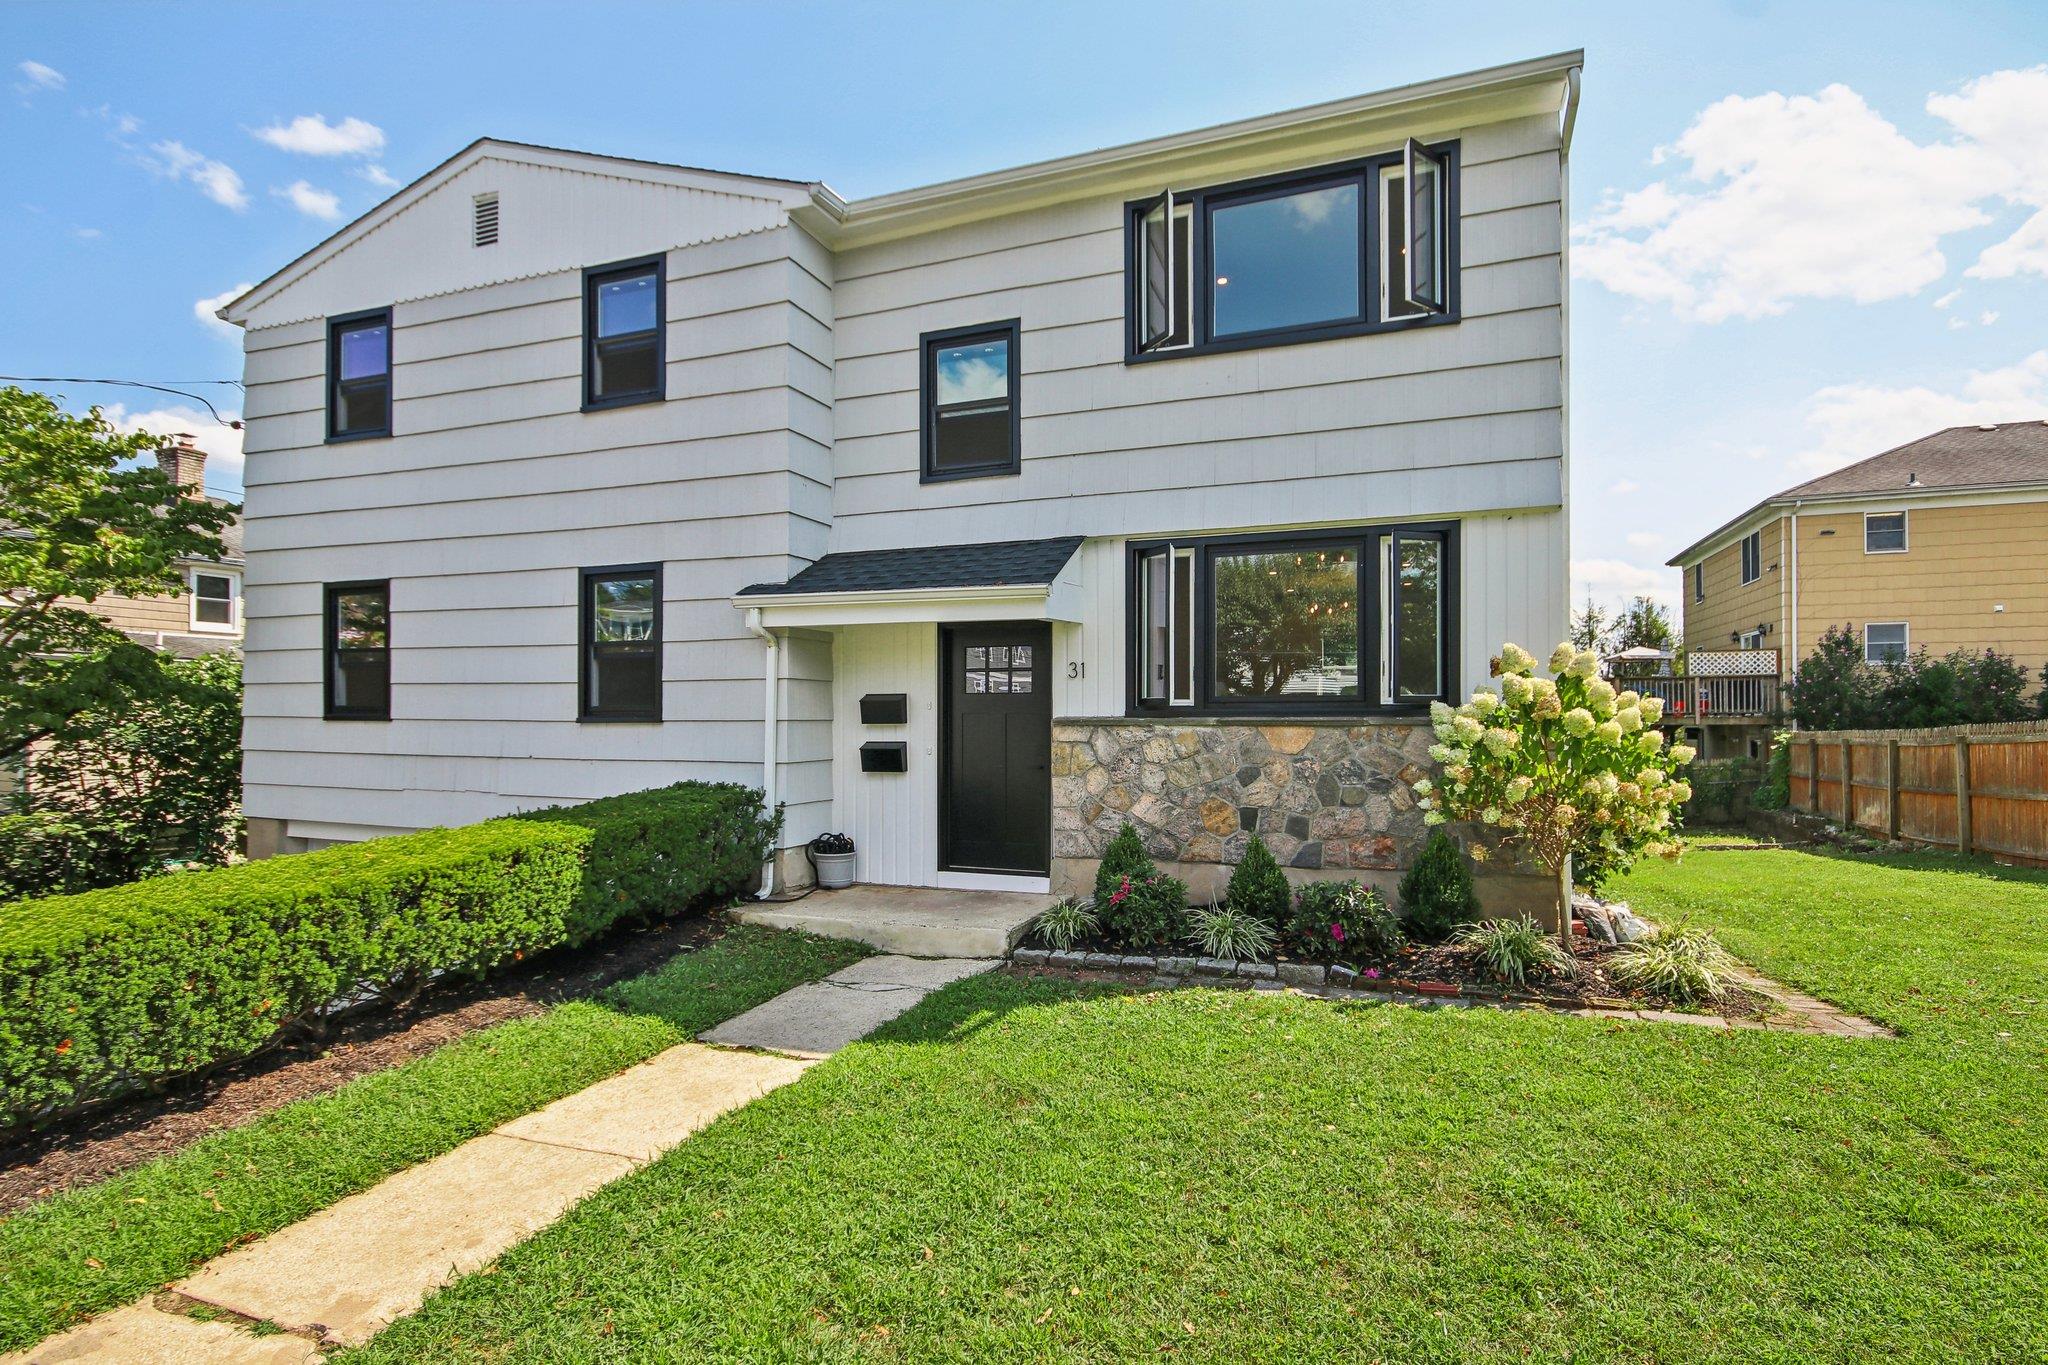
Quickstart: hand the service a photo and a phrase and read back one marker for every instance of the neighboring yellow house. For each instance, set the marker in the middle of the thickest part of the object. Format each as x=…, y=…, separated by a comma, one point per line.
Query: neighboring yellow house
x=1939, y=544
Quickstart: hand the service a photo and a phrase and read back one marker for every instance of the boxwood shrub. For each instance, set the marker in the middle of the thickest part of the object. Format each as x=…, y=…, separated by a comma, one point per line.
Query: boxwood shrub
x=109, y=991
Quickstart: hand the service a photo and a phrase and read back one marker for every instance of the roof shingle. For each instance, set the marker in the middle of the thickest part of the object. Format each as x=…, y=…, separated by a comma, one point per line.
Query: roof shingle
x=1958, y=457
x=996, y=564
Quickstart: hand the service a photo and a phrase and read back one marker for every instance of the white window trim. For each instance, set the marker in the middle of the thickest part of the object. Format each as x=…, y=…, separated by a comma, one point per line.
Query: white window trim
x=1905, y=532
x=1742, y=554
x=234, y=621
x=1390, y=287
x=1905, y=639
x=1752, y=639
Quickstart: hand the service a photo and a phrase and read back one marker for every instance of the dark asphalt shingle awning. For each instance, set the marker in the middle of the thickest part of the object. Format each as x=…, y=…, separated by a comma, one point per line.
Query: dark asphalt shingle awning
x=1005, y=563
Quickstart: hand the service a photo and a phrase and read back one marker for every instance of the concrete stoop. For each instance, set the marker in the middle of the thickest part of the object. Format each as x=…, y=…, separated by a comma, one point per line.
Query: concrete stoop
x=914, y=921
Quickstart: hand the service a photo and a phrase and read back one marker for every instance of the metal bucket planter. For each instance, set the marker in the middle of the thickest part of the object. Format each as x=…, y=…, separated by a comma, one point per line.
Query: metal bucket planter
x=832, y=858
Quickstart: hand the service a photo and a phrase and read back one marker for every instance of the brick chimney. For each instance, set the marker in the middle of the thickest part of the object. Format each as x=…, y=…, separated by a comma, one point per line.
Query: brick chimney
x=184, y=464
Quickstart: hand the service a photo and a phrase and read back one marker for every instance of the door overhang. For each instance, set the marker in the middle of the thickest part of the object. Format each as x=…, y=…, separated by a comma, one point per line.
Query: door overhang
x=1026, y=580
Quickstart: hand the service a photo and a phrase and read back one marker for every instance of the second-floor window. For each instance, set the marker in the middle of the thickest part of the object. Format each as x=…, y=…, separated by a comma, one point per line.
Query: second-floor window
x=623, y=354
x=1884, y=642
x=621, y=629
x=1752, y=556
x=1884, y=533
x=358, y=650
x=970, y=427
x=213, y=601
x=359, y=376
x=1335, y=251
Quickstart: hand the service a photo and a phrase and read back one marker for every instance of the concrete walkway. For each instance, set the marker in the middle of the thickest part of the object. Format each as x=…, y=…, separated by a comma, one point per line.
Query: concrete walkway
x=347, y=1272
x=920, y=921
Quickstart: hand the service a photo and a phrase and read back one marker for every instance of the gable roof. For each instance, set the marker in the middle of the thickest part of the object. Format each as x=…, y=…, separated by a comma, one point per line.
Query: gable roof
x=2001, y=455
x=1007, y=563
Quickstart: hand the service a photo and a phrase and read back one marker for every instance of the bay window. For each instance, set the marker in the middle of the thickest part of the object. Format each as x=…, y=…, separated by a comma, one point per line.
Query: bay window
x=1345, y=621
x=1362, y=246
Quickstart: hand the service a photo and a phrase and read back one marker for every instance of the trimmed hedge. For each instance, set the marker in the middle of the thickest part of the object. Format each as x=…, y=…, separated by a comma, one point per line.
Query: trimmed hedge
x=656, y=852
x=108, y=991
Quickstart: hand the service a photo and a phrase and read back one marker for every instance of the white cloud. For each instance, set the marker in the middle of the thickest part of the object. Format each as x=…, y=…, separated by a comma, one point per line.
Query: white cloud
x=1644, y=540
x=1787, y=197
x=311, y=200
x=1606, y=580
x=313, y=135
x=223, y=445
x=35, y=76
x=1852, y=422
x=1621, y=488
x=1946, y=299
x=2006, y=115
x=87, y=234
x=204, y=310
x=378, y=176
x=215, y=179
x=1987, y=317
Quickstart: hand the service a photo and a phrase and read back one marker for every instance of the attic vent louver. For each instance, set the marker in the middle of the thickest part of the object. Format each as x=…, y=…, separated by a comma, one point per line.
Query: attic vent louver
x=484, y=220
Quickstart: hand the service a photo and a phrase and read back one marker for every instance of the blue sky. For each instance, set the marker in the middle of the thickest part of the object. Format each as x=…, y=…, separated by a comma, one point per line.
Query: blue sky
x=1804, y=231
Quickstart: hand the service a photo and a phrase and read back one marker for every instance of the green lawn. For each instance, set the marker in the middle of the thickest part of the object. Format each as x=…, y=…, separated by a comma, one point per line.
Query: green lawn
x=1032, y=1170
x=103, y=1245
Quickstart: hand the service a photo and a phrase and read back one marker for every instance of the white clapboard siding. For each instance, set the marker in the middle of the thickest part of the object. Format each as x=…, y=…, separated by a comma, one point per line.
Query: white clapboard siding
x=893, y=817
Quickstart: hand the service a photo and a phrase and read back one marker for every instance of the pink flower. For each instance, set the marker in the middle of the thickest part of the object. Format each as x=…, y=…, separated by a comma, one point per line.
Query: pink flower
x=1123, y=889
x=1337, y=932
x=1372, y=973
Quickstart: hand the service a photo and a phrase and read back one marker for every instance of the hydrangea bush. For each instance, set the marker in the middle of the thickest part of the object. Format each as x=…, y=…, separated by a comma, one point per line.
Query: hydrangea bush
x=1558, y=765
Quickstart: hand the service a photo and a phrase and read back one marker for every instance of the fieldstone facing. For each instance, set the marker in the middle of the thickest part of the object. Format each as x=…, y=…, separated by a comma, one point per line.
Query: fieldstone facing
x=1321, y=796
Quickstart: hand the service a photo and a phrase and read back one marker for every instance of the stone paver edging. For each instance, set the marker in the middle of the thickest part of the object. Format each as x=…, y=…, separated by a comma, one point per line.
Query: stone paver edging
x=1799, y=1013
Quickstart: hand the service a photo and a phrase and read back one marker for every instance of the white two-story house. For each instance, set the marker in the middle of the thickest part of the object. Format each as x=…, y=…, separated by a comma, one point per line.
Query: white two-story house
x=1167, y=483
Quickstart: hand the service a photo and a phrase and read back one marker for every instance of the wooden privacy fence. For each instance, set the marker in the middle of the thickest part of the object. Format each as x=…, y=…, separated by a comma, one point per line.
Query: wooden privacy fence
x=1977, y=788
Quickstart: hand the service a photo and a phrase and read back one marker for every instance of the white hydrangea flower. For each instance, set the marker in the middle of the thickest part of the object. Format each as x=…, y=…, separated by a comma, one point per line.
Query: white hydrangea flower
x=1516, y=660
x=1561, y=657
x=1485, y=702
x=1653, y=740
x=1501, y=741
x=1585, y=664
x=1539, y=688
x=1629, y=719
x=1627, y=698
x=1609, y=731
x=1518, y=790
x=1515, y=688
x=1564, y=813
x=1578, y=722
x=1489, y=816
x=1435, y=817
x=1442, y=753
x=1423, y=786
x=1682, y=754
x=1466, y=730
x=1652, y=709
x=1681, y=792
x=1599, y=694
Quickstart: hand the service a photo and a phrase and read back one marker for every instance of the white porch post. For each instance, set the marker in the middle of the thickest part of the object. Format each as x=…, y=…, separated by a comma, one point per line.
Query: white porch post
x=772, y=696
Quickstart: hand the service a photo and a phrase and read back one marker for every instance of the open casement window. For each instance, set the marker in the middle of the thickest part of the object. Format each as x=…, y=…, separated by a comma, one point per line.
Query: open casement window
x=621, y=643
x=1425, y=177
x=1166, y=630
x=1165, y=243
x=358, y=651
x=1411, y=575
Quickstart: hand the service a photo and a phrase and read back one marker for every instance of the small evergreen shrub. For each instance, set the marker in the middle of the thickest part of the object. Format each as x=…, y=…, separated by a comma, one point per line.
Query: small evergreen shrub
x=1144, y=911
x=1124, y=858
x=1681, y=965
x=1345, y=922
x=1258, y=886
x=1513, y=950
x=1436, y=894
x=1775, y=791
x=1230, y=932
x=1063, y=925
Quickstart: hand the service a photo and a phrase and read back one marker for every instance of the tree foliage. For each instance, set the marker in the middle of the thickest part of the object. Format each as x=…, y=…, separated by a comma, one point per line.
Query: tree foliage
x=1590, y=625
x=1644, y=624
x=75, y=527
x=1836, y=688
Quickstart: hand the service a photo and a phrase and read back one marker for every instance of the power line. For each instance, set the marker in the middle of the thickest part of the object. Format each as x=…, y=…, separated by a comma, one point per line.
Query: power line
x=134, y=384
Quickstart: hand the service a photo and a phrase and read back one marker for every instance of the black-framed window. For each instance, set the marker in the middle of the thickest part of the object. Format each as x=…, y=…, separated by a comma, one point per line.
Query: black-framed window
x=358, y=651
x=1333, y=621
x=1884, y=533
x=1361, y=246
x=624, y=352
x=1699, y=581
x=359, y=375
x=1752, y=557
x=620, y=674
x=968, y=391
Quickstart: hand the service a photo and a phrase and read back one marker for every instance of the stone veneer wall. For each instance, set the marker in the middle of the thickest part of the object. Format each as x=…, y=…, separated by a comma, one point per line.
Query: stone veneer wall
x=1331, y=798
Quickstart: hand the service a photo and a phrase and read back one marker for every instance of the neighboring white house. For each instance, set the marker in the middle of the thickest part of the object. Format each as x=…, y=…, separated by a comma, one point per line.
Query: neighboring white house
x=1166, y=482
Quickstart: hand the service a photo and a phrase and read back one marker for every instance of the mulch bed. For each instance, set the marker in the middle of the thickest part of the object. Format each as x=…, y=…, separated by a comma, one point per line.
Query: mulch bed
x=124, y=1133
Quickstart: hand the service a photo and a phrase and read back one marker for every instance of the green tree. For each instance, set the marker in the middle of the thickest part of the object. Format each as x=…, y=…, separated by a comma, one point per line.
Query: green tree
x=74, y=527
x=1644, y=624
x=1590, y=625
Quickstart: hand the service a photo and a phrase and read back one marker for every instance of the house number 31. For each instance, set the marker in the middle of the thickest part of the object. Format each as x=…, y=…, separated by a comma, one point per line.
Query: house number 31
x=1077, y=669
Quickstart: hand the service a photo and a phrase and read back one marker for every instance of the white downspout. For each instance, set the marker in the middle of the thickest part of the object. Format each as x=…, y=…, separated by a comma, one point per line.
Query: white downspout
x=771, y=679
x=1791, y=659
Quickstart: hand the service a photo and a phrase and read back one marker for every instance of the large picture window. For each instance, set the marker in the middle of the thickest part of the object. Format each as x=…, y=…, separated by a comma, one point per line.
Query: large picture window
x=358, y=651
x=1333, y=621
x=621, y=630
x=623, y=355
x=1363, y=246
x=970, y=427
x=359, y=376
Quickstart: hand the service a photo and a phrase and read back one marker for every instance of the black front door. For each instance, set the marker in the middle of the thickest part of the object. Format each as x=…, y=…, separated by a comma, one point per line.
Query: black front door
x=995, y=804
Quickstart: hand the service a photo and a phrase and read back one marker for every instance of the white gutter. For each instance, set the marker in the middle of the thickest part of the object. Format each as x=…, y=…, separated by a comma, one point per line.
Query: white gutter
x=771, y=676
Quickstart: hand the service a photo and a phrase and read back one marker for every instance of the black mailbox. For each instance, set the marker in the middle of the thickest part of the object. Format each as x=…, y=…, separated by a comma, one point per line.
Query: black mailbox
x=879, y=756
x=885, y=708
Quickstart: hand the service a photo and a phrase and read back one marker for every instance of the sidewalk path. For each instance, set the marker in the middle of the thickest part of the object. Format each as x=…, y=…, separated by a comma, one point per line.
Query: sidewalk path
x=350, y=1270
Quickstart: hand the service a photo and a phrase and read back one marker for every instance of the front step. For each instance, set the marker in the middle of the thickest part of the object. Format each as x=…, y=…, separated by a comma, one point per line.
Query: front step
x=913, y=921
